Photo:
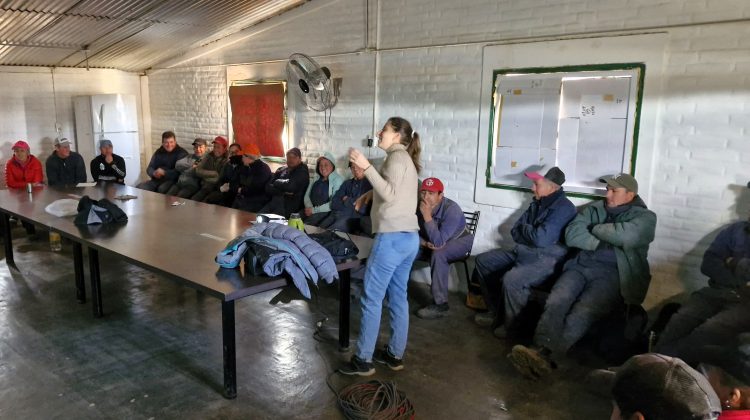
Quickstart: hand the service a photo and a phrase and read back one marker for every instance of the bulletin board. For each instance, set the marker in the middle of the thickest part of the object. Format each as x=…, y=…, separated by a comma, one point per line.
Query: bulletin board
x=583, y=119
x=554, y=114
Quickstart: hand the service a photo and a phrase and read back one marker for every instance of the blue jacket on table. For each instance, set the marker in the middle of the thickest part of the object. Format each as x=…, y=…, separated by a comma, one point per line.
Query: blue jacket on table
x=448, y=222
x=734, y=242
x=543, y=224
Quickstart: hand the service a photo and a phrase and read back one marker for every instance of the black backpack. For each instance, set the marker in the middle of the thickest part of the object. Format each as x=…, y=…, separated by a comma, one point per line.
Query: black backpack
x=339, y=248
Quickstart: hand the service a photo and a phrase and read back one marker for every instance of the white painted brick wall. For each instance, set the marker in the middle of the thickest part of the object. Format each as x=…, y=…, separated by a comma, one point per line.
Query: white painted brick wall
x=190, y=102
x=701, y=151
x=27, y=103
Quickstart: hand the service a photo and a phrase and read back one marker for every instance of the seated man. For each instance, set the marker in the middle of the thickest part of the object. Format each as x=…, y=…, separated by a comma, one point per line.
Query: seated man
x=717, y=313
x=506, y=277
x=288, y=185
x=443, y=238
x=322, y=189
x=187, y=183
x=610, y=271
x=210, y=168
x=225, y=194
x=250, y=181
x=108, y=167
x=727, y=369
x=657, y=387
x=161, y=168
x=343, y=216
x=65, y=167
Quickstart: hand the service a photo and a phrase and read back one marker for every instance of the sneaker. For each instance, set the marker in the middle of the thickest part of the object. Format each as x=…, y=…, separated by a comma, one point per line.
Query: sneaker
x=530, y=363
x=500, y=332
x=433, y=311
x=385, y=357
x=484, y=319
x=357, y=366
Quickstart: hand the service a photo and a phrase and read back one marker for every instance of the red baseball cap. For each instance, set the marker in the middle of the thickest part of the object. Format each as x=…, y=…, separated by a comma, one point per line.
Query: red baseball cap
x=222, y=141
x=433, y=185
x=20, y=144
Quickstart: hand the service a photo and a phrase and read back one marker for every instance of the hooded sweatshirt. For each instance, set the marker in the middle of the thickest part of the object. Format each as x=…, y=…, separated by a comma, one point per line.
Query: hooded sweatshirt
x=334, y=183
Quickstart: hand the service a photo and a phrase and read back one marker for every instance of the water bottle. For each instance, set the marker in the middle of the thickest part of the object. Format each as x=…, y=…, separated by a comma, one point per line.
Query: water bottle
x=55, y=242
x=296, y=222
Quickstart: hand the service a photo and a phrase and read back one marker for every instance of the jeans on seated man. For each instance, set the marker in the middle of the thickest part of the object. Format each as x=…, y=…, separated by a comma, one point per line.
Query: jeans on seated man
x=717, y=313
x=610, y=271
x=506, y=276
x=443, y=238
x=343, y=216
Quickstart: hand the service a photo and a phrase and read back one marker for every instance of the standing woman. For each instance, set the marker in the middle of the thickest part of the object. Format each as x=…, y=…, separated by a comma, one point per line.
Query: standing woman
x=394, y=222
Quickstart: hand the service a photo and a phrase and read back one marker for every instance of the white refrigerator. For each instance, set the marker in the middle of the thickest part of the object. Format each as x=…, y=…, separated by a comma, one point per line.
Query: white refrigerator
x=113, y=117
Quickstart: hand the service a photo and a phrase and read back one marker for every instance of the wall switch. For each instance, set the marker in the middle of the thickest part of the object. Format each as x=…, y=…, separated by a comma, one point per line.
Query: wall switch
x=369, y=141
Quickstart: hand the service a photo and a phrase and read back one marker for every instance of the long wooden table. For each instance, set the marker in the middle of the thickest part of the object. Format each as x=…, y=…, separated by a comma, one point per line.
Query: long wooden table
x=174, y=237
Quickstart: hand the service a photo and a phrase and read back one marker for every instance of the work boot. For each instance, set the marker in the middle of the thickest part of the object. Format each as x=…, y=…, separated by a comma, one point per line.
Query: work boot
x=485, y=319
x=529, y=362
x=357, y=366
x=433, y=311
x=385, y=357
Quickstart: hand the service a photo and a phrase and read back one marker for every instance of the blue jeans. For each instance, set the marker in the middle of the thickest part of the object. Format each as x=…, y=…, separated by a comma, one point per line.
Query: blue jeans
x=388, y=269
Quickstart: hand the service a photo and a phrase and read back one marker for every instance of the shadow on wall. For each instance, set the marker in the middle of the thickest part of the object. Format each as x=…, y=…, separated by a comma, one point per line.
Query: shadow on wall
x=694, y=257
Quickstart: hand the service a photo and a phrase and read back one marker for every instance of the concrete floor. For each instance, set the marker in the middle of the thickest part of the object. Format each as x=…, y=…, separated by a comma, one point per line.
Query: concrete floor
x=157, y=354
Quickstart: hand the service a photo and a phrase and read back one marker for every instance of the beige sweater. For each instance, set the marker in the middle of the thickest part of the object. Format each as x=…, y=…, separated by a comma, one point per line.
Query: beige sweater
x=395, y=192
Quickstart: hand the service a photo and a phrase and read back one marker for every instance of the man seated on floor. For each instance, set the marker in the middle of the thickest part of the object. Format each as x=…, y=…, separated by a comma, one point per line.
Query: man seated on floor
x=657, y=387
x=343, y=216
x=610, y=272
x=443, y=238
x=717, y=313
x=506, y=276
x=64, y=166
x=288, y=185
x=161, y=167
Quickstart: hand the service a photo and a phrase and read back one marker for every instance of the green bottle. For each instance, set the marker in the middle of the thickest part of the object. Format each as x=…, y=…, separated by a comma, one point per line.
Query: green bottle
x=296, y=222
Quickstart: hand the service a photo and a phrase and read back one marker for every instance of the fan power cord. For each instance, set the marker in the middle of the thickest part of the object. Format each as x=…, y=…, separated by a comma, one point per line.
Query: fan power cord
x=375, y=400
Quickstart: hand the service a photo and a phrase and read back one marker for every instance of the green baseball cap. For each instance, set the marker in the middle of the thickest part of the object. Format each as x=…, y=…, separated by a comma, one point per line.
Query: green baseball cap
x=621, y=181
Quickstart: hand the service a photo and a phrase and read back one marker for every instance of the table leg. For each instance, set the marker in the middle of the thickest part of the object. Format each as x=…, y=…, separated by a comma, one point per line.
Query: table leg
x=96, y=284
x=230, y=354
x=344, y=307
x=8, y=241
x=78, y=268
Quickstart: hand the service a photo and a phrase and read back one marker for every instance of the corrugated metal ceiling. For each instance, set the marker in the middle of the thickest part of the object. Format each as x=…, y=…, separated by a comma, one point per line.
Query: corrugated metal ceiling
x=130, y=35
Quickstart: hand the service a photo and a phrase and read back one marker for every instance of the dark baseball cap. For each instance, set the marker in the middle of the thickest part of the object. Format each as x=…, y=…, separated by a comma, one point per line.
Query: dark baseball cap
x=663, y=387
x=554, y=174
x=200, y=142
x=734, y=359
x=621, y=181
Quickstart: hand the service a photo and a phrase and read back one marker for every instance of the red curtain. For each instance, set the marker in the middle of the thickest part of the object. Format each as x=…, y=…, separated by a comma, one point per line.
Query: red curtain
x=258, y=116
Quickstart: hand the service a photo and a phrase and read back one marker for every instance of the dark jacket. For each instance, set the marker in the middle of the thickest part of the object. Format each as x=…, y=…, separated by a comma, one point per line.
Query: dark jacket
x=733, y=241
x=287, y=189
x=250, y=185
x=630, y=235
x=68, y=171
x=166, y=161
x=448, y=222
x=351, y=189
x=110, y=172
x=543, y=224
